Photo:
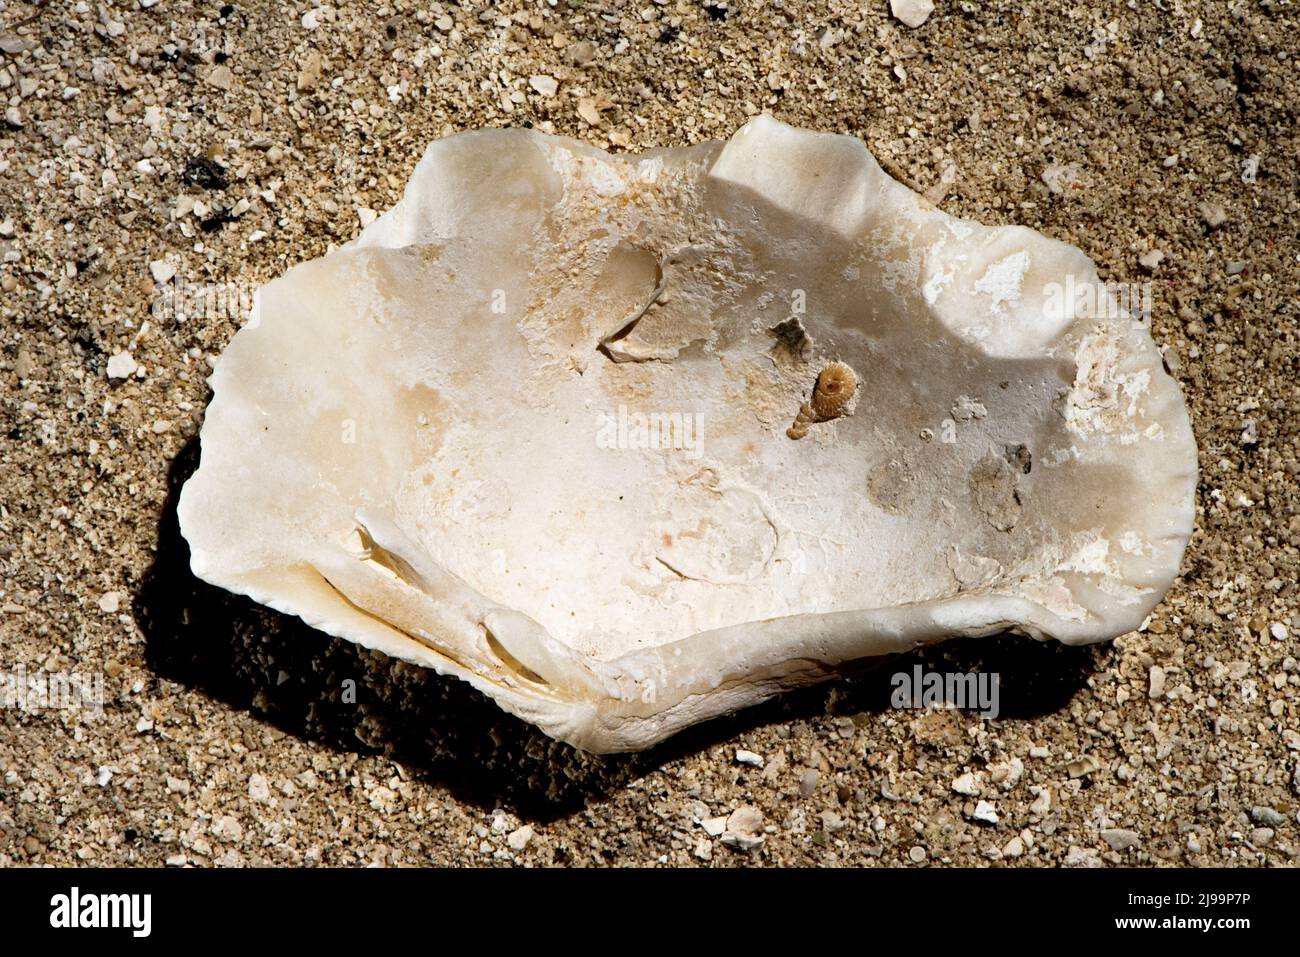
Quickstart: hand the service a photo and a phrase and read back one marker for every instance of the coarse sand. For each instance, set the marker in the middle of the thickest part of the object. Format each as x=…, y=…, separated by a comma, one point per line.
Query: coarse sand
x=148, y=145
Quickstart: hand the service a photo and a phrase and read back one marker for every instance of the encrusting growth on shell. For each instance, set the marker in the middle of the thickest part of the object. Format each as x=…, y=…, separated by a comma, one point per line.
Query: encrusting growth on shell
x=832, y=397
x=792, y=338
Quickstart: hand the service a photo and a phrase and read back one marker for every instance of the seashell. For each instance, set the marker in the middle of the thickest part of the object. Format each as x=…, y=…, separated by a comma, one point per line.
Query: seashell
x=530, y=430
x=832, y=396
x=836, y=386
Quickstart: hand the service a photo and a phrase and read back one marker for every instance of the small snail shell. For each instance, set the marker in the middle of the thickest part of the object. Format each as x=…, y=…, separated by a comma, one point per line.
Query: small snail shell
x=832, y=394
x=834, y=391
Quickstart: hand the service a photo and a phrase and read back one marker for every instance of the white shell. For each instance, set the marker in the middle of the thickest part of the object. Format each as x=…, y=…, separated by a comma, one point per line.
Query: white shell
x=531, y=430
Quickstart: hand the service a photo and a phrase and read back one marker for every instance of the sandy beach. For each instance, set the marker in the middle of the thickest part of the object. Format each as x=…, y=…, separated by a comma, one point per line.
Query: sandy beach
x=150, y=144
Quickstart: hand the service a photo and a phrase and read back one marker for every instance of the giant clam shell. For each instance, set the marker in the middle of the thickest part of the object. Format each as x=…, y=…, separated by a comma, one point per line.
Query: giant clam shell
x=627, y=442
